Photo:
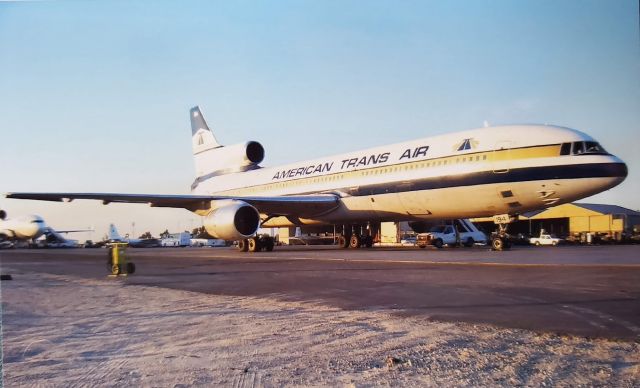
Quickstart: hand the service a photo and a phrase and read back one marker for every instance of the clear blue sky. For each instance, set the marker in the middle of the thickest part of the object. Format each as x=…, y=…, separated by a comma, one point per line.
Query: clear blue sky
x=94, y=96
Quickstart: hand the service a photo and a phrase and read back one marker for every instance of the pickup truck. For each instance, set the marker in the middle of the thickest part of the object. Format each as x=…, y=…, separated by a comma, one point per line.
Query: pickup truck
x=441, y=235
x=545, y=239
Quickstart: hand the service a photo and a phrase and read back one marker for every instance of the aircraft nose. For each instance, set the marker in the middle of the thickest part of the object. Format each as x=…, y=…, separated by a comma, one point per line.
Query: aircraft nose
x=625, y=170
x=619, y=171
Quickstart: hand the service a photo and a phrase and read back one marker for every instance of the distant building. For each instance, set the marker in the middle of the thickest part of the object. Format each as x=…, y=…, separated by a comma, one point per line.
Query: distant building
x=574, y=219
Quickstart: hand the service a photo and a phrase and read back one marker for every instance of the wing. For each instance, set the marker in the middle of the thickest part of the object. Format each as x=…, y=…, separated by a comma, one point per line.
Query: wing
x=290, y=205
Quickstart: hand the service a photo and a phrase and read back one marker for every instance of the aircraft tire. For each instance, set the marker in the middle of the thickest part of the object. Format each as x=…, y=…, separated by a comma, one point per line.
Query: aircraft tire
x=131, y=267
x=497, y=244
x=254, y=245
x=343, y=242
x=115, y=269
x=269, y=244
x=355, y=241
x=243, y=245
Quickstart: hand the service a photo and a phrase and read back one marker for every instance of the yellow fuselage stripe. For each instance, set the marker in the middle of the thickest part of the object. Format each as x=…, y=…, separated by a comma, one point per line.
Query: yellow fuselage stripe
x=487, y=156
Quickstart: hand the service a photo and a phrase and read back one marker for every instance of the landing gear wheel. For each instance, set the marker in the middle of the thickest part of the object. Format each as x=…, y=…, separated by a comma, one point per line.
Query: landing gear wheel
x=115, y=269
x=253, y=245
x=243, y=245
x=343, y=242
x=438, y=243
x=498, y=244
x=131, y=268
x=355, y=241
x=268, y=244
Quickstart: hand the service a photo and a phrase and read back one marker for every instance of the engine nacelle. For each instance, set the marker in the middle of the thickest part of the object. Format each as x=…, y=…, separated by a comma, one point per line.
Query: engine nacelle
x=243, y=154
x=233, y=221
x=233, y=158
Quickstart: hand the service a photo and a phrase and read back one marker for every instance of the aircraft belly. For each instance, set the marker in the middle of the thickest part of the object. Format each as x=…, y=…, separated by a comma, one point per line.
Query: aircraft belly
x=457, y=202
x=415, y=203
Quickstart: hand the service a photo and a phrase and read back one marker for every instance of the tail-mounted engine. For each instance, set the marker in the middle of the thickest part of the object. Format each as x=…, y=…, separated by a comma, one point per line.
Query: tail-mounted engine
x=211, y=157
x=235, y=220
x=226, y=159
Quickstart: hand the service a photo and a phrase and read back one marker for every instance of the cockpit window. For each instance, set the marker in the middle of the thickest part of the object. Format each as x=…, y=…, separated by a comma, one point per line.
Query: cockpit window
x=36, y=221
x=578, y=148
x=591, y=147
x=565, y=149
x=586, y=147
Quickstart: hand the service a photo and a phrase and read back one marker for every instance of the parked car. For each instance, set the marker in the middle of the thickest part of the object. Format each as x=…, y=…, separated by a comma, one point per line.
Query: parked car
x=545, y=239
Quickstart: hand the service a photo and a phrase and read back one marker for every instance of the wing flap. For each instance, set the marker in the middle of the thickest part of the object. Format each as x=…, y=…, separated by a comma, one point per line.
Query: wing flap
x=293, y=205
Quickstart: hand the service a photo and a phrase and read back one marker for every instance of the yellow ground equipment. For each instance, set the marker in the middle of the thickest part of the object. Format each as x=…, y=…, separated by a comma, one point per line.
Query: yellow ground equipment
x=117, y=263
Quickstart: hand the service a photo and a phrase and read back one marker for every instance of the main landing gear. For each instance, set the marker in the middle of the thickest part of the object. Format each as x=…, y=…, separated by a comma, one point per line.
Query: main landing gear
x=257, y=244
x=355, y=240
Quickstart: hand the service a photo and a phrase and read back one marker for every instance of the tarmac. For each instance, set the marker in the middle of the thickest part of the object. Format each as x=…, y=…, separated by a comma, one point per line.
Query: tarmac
x=587, y=291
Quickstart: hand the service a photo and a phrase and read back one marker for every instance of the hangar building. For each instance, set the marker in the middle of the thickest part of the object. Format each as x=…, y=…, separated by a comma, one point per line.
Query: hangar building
x=574, y=220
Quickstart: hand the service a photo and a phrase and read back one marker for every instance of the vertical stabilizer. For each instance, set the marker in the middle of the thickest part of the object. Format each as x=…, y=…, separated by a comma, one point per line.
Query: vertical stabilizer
x=202, y=137
x=113, y=233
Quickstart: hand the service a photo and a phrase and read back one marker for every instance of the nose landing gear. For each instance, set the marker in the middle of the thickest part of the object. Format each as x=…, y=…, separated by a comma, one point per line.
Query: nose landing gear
x=500, y=239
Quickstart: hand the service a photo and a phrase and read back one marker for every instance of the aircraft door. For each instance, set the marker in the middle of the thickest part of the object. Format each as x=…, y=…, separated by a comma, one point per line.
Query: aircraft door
x=501, y=157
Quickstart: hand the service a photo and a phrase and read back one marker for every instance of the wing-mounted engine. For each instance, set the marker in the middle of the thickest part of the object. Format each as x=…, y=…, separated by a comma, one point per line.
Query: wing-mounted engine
x=232, y=220
x=213, y=158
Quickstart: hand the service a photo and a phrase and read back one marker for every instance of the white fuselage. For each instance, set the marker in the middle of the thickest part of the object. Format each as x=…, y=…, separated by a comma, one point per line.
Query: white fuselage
x=22, y=228
x=475, y=173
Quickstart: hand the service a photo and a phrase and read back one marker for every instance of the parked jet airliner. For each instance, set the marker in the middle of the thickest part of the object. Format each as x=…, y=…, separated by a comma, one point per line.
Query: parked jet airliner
x=21, y=228
x=30, y=228
x=114, y=236
x=493, y=171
